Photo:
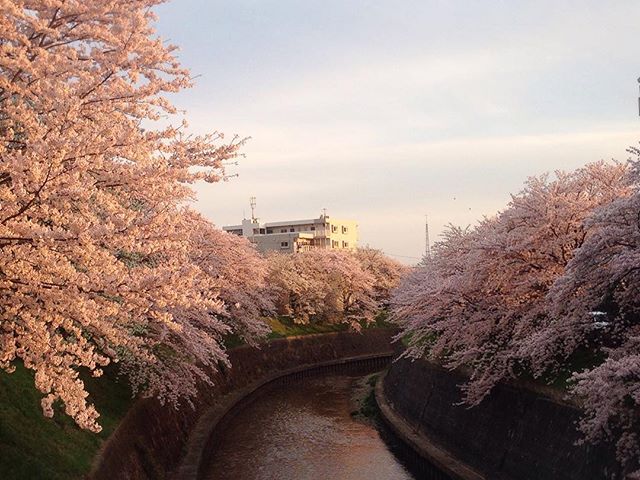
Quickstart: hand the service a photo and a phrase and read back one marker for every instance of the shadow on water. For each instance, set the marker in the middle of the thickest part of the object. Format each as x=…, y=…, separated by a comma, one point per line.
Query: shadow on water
x=304, y=429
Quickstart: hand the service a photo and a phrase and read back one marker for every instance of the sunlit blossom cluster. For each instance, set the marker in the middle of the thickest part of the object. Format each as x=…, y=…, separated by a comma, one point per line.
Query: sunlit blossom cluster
x=333, y=285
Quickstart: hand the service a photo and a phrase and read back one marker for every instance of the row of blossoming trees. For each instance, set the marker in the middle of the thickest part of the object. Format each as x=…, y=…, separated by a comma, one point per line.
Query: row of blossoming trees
x=100, y=259
x=548, y=288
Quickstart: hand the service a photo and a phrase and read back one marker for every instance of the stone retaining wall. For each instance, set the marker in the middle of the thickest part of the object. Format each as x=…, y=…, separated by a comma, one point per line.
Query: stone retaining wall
x=515, y=433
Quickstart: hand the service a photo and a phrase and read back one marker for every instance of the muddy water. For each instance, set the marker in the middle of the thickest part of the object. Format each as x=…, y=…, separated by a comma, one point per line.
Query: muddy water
x=300, y=431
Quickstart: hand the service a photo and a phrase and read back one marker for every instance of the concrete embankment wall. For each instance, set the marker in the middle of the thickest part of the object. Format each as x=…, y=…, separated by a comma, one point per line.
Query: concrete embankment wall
x=160, y=442
x=515, y=433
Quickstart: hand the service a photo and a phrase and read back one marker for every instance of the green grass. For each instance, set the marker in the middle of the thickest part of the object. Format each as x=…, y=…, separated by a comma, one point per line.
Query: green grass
x=369, y=407
x=581, y=359
x=35, y=447
x=380, y=321
x=285, y=327
x=232, y=340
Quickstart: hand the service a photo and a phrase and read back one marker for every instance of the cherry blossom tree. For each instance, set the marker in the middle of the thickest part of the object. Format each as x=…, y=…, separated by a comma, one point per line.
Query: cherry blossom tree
x=349, y=289
x=595, y=307
x=553, y=274
x=332, y=285
x=483, y=295
x=299, y=292
x=429, y=295
x=386, y=272
x=96, y=260
x=609, y=394
x=240, y=275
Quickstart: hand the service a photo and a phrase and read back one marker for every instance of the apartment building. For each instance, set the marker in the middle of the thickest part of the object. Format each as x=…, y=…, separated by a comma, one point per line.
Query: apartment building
x=298, y=235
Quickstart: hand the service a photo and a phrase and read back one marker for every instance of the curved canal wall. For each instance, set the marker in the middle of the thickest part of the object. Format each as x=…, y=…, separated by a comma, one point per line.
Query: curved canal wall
x=515, y=433
x=159, y=442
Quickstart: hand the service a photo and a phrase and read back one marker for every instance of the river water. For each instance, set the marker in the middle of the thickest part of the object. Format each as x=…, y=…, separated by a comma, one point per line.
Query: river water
x=303, y=430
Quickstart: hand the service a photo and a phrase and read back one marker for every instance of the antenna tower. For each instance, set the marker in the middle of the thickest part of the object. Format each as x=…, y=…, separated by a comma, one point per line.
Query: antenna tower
x=427, y=245
x=639, y=98
x=252, y=202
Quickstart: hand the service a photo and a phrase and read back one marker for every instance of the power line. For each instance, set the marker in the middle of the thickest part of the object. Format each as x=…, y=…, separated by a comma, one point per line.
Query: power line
x=401, y=256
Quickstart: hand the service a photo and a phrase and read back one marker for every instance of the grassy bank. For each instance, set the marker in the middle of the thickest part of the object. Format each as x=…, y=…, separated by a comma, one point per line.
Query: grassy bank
x=285, y=326
x=35, y=447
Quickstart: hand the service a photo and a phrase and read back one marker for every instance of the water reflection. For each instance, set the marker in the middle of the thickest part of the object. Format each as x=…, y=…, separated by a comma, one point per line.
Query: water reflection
x=303, y=430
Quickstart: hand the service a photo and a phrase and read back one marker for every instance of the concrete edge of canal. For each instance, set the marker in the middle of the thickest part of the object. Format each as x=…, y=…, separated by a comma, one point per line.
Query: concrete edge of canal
x=420, y=443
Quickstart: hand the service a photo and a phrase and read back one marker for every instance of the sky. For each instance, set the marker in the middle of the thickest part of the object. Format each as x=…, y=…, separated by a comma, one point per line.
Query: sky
x=384, y=111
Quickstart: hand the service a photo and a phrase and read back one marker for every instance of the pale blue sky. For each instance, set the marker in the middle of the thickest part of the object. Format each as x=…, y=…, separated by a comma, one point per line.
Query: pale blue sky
x=383, y=111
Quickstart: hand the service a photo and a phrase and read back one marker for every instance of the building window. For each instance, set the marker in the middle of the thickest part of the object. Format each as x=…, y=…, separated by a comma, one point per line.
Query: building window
x=283, y=230
x=284, y=244
x=313, y=228
x=335, y=244
x=345, y=244
x=292, y=229
x=269, y=230
x=345, y=229
x=334, y=228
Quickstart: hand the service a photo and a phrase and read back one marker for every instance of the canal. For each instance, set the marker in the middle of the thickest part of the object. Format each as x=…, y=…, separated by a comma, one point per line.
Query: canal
x=305, y=430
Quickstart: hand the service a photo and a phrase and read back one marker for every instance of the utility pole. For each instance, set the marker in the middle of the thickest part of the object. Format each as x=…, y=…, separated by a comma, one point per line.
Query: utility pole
x=427, y=245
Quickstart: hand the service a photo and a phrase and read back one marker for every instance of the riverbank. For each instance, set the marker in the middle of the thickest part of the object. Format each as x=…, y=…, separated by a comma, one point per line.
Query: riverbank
x=160, y=442
x=35, y=447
